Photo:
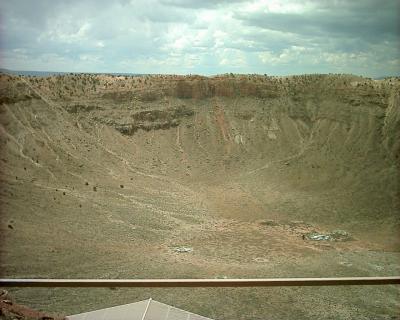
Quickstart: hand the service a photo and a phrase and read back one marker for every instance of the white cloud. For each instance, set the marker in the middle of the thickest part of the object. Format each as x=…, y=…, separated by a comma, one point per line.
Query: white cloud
x=206, y=37
x=277, y=6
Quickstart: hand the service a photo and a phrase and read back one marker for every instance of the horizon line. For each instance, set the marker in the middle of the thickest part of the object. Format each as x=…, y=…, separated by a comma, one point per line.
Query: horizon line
x=20, y=72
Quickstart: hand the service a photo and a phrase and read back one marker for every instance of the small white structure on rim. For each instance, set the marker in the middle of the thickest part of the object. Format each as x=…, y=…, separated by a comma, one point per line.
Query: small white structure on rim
x=142, y=310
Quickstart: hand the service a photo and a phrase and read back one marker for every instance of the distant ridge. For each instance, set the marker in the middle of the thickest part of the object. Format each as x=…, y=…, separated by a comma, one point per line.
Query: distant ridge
x=52, y=73
x=31, y=73
x=385, y=77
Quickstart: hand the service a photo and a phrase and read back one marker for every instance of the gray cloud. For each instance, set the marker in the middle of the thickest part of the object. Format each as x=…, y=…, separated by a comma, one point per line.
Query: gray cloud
x=356, y=20
x=196, y=4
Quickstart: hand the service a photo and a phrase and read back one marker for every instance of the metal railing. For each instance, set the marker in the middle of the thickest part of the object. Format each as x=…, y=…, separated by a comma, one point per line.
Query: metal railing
x=169, y=283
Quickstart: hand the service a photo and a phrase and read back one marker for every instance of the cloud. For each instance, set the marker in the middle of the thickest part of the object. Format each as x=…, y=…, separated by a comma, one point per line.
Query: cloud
x=334, y=23
x=206, y=37
x=196, y=4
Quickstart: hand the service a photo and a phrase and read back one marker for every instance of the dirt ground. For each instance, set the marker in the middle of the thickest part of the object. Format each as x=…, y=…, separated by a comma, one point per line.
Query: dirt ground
x=113, y=177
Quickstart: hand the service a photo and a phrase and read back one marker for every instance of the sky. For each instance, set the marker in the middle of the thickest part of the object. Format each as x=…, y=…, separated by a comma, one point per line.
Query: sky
x=273, y=37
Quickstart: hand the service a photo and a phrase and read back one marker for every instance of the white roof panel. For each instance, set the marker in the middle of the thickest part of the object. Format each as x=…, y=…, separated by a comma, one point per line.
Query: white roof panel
x=142, y=310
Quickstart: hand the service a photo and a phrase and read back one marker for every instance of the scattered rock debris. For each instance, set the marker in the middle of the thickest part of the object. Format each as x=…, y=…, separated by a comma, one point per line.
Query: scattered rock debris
x=183, y=249
x=86, y=183
x=337, y=235
x=121, y=186
x=316, y=236
x=95, y=188
x=10, y=310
